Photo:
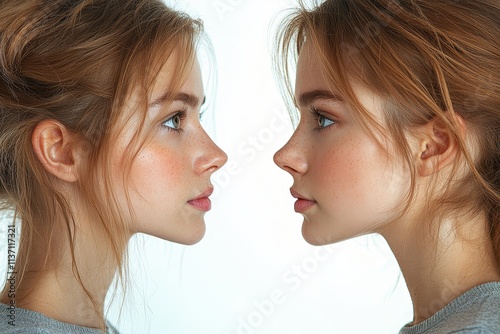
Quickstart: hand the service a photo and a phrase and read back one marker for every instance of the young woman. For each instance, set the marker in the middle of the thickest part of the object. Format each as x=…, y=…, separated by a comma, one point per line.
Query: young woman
x=399, y=134
x=100, y=139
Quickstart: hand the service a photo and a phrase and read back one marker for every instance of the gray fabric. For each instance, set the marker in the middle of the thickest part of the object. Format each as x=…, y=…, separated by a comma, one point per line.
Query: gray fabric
x=477, y=311
x=29, y=322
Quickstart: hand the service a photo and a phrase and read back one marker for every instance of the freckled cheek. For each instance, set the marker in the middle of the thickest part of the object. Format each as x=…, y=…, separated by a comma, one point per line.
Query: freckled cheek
x=156, y=170
x=347, y=170
x=341, y=173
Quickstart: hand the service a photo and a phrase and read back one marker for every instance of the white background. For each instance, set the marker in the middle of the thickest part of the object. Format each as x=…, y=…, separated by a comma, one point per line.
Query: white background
x=253, y=272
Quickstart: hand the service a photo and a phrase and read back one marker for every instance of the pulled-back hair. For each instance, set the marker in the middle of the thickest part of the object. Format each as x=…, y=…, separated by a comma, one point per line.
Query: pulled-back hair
x=428, y=59
x=77, y=62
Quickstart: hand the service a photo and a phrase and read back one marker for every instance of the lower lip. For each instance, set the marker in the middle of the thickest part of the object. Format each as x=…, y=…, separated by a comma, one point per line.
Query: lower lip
x=203, y=204
x=302, y=205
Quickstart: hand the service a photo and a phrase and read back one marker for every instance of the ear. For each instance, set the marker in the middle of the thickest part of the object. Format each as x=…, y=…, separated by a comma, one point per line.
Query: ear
x=438, y=147
x=55, y=148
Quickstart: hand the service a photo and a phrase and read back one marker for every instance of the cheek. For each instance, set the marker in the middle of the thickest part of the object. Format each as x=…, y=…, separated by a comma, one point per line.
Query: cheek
x=345, y=167
x=355, y=173
x=157, y=169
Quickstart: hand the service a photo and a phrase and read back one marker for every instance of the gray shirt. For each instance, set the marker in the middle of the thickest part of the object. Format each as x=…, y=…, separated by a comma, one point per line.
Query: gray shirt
x=31, y=322
x=477, y=311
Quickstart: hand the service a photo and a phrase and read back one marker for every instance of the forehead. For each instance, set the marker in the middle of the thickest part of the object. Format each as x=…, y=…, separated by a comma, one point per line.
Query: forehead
x=168, y=76
x=310, y=75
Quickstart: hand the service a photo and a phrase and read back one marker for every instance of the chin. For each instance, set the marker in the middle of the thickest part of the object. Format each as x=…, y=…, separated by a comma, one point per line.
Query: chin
x=191, y=241
x=192, y=235
x=313, y=236
x=319, y=237
x=182, y=233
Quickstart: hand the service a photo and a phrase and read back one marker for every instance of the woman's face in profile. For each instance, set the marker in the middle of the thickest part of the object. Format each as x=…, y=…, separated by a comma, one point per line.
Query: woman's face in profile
x=344, y=181
x=169, y=180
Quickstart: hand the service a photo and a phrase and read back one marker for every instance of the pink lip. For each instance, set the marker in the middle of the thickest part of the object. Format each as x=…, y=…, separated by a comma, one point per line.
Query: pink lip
x=302, y=204
x=202, y=202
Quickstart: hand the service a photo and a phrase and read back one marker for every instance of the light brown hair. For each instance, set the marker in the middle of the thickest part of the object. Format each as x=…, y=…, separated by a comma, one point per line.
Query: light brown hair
x=428, y=59
x=77, y=62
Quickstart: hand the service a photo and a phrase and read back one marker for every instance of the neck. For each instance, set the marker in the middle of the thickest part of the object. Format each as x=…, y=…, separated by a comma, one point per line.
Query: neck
x=438, y=269
x=70, y=296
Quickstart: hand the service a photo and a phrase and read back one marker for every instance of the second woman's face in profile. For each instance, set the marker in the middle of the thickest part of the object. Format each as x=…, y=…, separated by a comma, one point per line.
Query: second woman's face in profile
x=344, y=181
x=169, y=180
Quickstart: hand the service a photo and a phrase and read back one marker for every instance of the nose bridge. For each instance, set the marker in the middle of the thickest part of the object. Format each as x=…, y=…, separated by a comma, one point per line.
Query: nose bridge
x=292, y=156
x=209, y=156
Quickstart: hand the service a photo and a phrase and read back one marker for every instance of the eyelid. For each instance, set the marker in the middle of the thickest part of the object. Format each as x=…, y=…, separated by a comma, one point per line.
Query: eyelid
x=319, y=113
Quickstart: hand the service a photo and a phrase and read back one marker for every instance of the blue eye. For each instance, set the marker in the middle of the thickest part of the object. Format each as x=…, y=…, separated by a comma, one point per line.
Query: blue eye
x=174, y=122
x=323, y=122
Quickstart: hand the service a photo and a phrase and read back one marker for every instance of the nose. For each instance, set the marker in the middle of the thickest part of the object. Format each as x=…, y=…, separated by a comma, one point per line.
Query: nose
x=211, y=157
x=291, y=158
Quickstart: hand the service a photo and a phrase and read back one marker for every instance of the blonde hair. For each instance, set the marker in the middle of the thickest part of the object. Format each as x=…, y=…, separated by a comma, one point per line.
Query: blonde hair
x=77, y=62
x=428, y=59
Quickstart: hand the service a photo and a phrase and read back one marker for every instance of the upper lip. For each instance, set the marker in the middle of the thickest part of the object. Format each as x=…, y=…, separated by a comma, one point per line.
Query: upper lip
x=204, y=194
x=296, y=194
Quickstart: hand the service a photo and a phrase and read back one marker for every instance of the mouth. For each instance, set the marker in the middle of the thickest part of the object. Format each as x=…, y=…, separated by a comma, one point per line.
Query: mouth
x=303, y=203
x=202, y=202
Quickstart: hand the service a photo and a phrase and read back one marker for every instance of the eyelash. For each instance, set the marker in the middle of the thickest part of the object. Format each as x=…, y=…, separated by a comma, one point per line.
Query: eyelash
x=182, y=115
x=317, y=117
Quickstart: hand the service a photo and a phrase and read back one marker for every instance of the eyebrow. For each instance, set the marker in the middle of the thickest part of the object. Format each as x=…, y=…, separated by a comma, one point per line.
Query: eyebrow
x=190, y=99
x=318, y=94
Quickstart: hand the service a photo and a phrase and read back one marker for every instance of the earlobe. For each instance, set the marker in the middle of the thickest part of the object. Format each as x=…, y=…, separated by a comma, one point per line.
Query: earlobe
x=54, y=146
x=438, y=148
